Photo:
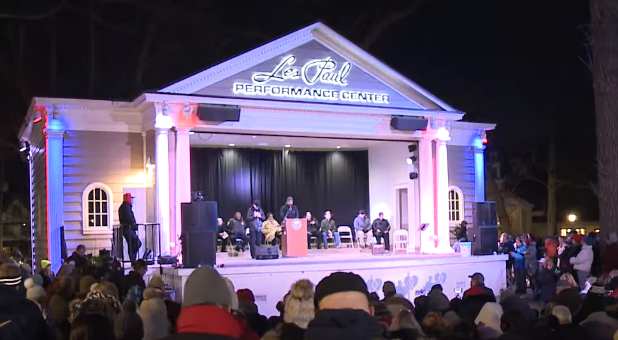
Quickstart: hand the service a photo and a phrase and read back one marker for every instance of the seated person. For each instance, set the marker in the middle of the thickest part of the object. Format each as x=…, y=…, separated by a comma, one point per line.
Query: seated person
x=361, y=228
x=328, y=227
x=222, y=234
x=270, y=229
x=236, y=229
x=381, y=229
x=313, y=230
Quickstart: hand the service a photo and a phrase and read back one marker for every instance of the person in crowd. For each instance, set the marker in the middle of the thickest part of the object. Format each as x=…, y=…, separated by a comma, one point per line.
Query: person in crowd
x=568, y=293
x=153, y=310
x=582, y=262
x=519, y=265
x=531, y=261
x=270, y=229
x=299, y=310
x=477, y=288
x=60, y=293
x=20, y=318
x=381, y=230
x=129, y=226
x=461, y=232
x=474, y=298
x=570, y=249
x=36, y=293
x=343, y=310
x=288, y=210
x=92, y=327
x=328, y=227
x=488, y=321
x=362, y=225
x=255, y=217
x=389, y=290
x=313, y=230
x=206, y=313
x=78, y=257
x=551, y=248
x=436, y=300
x=565, y=328
x=46, y=273
x=236, y=229
x=547, y=279
x=222, y=235
x=507, y=246
x=249, y=309
x=134, y=281
x=128, y=323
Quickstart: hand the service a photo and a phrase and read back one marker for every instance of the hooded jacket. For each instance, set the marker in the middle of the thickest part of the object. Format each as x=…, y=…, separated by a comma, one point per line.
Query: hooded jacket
x=583, y=260
x=153, y=312
x=19, y=317
x=343, y=324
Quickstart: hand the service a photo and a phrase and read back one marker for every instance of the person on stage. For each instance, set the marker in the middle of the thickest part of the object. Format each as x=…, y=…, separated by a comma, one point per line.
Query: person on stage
x=255, y=217
x=381, y=229
x=362, y=225
x=328, y=227
x=270, y=229
x=236, y=229
x=222, y=234
x=288, y=210
x=313, y=230
x=129, y=226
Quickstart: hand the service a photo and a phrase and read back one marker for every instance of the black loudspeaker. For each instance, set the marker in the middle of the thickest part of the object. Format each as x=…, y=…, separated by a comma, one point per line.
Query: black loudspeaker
x=198, y=248
x=485, y=213
x=218, y=113
x=405, y=123
x=485, y=229
x=199, y=233
x=199, y=216
x=266, y=252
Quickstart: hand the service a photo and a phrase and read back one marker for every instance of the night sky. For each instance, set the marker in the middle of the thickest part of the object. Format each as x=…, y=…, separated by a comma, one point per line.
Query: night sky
x=520, y=64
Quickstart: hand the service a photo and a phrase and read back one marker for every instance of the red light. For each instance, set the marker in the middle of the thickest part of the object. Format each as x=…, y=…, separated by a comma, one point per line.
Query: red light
x=485, y=141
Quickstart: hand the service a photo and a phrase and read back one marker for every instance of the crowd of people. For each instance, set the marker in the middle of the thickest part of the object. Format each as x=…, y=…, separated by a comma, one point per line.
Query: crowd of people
x=257, y=228
x=564, y=289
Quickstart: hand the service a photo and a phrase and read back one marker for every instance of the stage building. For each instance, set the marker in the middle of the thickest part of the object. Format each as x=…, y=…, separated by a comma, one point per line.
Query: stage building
x=309, y=115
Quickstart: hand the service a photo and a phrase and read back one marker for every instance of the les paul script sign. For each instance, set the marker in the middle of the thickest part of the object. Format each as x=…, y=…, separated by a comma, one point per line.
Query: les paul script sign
x=283, y=81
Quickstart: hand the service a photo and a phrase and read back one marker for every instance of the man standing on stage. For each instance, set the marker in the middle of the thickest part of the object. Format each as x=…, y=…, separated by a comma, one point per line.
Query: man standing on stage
x=129, y=226
x=255, y=217
x=381, y=228
x=288, y=210
x=361, y=228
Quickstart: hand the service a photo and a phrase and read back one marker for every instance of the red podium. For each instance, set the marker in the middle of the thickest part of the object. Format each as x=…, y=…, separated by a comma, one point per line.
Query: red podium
x=294, y=240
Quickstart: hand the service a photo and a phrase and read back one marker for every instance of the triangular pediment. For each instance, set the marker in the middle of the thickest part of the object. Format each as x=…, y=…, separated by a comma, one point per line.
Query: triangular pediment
x=315, y=65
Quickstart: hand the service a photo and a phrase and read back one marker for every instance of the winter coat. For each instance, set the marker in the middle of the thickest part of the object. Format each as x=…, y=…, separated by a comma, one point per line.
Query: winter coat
x=154, y=315
x=530, y=256
x=235, y=226
x=20, y=318
x=270, y=228
x=126, y=217
x=288, y=212
x=519, y=261
x=546, y=283
x=202, y=322
x=380, y=226
x=313, y=226
x=285, y=331
x=583, y=260
x=343, y=324
x=328, y=225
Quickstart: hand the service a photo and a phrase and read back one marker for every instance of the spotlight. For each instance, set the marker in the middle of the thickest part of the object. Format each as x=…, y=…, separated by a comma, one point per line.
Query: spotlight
x=288, y=146
x=338, y=147
x=231, y=144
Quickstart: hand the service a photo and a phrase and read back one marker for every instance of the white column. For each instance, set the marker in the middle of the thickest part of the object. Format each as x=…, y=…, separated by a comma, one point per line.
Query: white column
x=54, y=134
x=183, y=178
x=162, y=127
x=442, y=222
x=426, y=193
x=479, y=171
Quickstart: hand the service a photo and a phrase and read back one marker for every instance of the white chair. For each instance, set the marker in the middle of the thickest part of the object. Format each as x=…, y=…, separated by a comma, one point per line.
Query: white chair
x=345, y=234
x=400, y=241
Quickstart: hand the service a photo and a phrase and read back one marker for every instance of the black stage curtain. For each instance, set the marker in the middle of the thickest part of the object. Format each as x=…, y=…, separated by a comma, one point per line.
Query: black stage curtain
x=318, y=180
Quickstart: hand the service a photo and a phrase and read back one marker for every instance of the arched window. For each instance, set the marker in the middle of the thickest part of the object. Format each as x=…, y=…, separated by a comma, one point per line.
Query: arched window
x=97, y=203
x=455, y=205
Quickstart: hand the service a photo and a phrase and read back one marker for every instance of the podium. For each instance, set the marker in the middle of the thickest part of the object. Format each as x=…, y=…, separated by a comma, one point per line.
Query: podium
x=294, y=240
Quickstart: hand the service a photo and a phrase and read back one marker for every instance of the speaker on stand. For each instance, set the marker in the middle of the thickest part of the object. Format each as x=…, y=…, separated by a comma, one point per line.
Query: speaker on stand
x=485, y=229
x=199, y=233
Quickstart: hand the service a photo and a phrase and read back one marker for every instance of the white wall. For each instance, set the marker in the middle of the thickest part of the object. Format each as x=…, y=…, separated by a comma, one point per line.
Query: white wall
x=388, y=171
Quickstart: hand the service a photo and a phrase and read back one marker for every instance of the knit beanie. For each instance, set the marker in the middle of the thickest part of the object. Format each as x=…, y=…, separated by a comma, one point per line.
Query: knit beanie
x=206, y=286
x=10, y=275
x=339, y=282
x=299, y=307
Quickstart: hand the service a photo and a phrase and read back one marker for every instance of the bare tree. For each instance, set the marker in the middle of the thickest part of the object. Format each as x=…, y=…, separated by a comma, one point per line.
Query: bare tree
x=604, y=18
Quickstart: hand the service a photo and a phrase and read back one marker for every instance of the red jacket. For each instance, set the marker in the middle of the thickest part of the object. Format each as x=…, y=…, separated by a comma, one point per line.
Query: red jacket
x=210, y=322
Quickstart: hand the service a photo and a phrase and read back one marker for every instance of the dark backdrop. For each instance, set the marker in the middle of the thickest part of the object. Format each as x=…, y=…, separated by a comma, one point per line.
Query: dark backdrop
x=317, y=180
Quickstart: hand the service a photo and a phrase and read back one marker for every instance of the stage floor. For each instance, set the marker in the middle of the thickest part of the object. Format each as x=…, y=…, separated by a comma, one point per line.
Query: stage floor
x=413, y=274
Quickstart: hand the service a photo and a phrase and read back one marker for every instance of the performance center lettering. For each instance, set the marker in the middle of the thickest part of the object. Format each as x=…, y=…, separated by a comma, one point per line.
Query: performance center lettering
x=312, y=74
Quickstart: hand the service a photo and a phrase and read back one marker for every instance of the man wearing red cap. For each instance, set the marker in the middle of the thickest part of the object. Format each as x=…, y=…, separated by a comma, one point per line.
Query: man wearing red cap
x=129, y=226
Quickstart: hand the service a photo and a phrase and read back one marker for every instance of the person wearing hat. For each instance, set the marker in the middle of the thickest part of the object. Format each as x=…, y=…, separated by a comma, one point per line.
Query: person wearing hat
x=477, y=287
x=153, y=310
x=288, y=210
x=343, y=310
x=129, y=226
x=206, y=309
x=78, y=257
x=255, y=217
x=20, y=318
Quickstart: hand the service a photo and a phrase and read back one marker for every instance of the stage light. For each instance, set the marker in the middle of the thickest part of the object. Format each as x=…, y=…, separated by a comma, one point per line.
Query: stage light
x=191, y=132
x=572, y=217
x=409, y=160
x=231, y=144
x=288, y=146
x=338, y=147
